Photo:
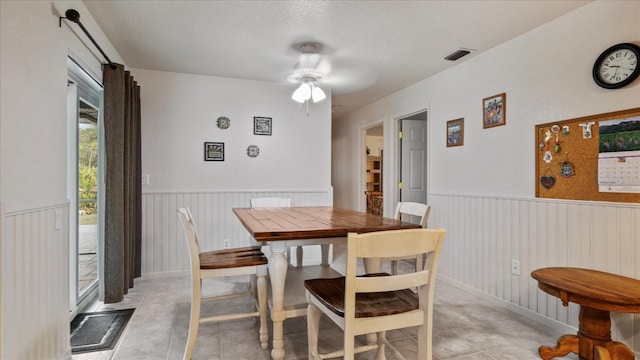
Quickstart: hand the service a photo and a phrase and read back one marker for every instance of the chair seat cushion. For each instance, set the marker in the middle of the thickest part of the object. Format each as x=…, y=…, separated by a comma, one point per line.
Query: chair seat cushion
x=330, y=292
x=232, y=258
x=245, y=250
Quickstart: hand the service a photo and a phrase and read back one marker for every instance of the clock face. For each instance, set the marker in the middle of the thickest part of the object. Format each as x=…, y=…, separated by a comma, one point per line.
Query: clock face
x=617, y=66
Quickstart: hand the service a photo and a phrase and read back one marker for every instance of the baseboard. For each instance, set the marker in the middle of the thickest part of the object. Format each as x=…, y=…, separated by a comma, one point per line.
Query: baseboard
x=66, y=355
x=164, y=274
x=531, y=315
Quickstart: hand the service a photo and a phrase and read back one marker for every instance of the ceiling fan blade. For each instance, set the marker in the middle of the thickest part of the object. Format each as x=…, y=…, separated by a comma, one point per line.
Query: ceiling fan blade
x=308, y=61
x=345, y=79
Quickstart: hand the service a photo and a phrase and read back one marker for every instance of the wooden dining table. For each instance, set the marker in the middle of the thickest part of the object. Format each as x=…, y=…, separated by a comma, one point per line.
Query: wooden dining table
x=297, y=226
x=598, y=293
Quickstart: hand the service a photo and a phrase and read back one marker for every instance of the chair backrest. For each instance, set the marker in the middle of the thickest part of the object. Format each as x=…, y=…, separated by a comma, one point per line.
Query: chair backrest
x=192, y=237
x=392, y=243
x=414, y=209
x=270, y=202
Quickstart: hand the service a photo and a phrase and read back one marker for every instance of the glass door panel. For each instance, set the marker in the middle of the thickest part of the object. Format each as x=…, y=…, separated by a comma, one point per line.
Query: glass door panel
x=87, y=195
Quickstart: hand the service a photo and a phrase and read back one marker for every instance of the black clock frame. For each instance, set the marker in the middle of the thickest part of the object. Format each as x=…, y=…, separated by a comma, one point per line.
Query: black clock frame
x=596, y=66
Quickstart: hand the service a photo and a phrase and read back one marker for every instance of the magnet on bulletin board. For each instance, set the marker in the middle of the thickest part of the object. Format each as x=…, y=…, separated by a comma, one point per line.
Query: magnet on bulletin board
x=566, y=169
x=548, y=180
x=586, y=129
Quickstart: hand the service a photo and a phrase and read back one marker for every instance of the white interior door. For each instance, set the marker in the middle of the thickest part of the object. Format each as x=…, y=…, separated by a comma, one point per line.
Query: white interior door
x=413, y=164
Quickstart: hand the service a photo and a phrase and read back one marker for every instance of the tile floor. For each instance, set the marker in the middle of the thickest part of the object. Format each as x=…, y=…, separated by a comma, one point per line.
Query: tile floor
x=466, y=327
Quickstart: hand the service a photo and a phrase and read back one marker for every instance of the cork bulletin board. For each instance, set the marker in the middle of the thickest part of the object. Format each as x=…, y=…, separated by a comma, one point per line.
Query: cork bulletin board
x=567, y=158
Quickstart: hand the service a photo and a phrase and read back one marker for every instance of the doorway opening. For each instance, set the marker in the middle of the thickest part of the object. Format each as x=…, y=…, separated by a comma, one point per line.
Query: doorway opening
x=86, y=154
x=374, y=143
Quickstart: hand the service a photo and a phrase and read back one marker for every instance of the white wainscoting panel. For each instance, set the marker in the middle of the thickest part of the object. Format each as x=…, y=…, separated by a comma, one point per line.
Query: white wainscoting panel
x=35, y=283
x=163, y=244
x=484, y=234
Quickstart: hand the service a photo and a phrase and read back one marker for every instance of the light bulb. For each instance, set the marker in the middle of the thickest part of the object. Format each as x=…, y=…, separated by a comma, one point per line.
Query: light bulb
x=317, y=94
x=302, y=93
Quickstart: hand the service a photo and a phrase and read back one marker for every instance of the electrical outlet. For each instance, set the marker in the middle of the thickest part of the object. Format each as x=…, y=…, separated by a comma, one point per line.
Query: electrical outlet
x=227, y=243
x=58, y=219
x=515, y=267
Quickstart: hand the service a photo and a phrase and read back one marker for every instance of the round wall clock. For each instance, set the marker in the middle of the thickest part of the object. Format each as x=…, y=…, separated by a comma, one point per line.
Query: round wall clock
x=617, y=66
x=223, y=122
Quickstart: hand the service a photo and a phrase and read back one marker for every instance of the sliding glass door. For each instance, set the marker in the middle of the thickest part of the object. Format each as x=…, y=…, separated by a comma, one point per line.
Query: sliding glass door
x=87, y=195
x=85, y=186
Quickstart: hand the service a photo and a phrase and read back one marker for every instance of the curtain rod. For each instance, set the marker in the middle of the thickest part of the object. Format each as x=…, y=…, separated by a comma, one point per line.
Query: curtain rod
x=74, y=15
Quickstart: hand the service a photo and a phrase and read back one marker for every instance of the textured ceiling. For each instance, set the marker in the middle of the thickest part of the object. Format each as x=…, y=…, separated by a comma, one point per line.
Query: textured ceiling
x=370, y=49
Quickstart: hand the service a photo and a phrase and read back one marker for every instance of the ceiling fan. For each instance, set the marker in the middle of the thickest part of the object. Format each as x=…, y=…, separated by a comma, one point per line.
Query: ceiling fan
x=308, y=71
x=316, y=67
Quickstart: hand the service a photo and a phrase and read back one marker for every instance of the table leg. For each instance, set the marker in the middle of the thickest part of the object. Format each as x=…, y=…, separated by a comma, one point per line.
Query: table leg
x=324, y=248
x=372, y=265
x=602, y=353
x=299, y=256
x=593, y=340
x=277, y=273
x=618, y=351
x=594, y=330
x=566, y=344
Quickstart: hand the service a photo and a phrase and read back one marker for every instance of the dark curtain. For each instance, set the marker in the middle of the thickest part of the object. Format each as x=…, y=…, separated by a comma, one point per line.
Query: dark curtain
x=123, y=198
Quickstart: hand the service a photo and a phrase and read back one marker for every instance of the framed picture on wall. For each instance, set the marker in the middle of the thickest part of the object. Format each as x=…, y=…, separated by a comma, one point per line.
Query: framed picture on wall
x=455, y=132
x=261, y=125
x=494, y=110
x=213, y=151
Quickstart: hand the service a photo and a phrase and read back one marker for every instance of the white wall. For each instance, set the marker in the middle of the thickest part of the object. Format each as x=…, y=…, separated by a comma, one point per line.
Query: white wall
x=34, y=81
x=34, y=310
x=179, y=113
x=546, y=74
x=375, y=144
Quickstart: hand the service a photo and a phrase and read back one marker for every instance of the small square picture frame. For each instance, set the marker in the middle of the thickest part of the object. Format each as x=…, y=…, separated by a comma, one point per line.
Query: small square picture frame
x=213, y=151
x=455, y=132
x=261, y=125
x=494, y=111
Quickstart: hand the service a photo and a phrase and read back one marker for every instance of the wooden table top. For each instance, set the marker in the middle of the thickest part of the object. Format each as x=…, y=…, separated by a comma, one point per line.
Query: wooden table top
x=294, y=223
x=592, y=288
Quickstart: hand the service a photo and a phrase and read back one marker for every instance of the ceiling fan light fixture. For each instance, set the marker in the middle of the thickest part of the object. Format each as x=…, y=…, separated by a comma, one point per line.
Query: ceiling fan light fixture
x=308, y=90
x=308, y=70
x=302, y=93
x=317, y=94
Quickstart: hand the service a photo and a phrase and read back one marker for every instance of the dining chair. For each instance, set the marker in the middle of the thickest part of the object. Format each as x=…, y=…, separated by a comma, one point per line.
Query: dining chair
x=407, y=211
x=222, y=263
x=279, y=202
x=376, y=303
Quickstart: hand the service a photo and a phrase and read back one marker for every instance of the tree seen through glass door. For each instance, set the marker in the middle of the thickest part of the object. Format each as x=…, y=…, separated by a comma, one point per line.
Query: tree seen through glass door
x=87, y=196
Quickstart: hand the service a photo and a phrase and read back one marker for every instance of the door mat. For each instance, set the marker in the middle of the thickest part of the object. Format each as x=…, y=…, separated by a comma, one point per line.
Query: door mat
x=98, y=331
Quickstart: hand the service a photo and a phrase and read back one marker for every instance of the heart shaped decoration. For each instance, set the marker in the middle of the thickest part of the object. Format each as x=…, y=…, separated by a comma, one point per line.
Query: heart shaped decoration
x=548, y=181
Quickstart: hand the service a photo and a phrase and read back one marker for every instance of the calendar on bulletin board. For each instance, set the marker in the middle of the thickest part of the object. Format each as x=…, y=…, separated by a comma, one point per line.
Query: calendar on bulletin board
x=619, y=155
x=590, y=158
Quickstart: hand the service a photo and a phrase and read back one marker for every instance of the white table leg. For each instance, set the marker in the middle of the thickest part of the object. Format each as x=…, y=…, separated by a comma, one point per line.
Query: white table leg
x=299, y=256
x=372, y=265
x=277, y=273
x=325, y=254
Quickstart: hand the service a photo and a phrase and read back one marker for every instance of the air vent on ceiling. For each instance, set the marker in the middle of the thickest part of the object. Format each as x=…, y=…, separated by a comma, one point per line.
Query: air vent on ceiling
x=457, y=54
